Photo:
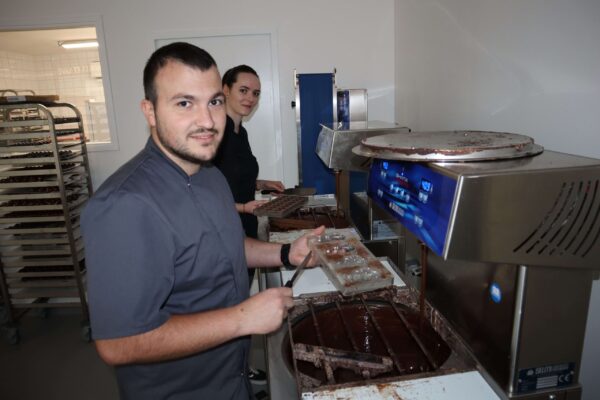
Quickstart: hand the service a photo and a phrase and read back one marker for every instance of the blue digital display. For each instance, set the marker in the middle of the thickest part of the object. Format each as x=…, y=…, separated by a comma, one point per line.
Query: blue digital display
x=417, y=196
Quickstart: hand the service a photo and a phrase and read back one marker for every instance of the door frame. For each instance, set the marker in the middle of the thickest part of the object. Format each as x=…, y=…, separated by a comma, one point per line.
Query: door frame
x=272, y=33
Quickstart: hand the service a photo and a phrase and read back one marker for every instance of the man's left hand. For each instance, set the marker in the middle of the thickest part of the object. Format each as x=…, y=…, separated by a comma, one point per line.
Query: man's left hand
x=300, y=249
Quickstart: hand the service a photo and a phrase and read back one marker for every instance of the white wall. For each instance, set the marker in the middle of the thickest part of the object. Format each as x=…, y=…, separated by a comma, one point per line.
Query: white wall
x=354, y=36
x=522, y=66
x=529, y=67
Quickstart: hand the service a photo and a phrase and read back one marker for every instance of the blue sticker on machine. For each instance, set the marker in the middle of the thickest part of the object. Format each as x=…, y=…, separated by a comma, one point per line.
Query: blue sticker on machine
x=546, y=377
x=495, y=293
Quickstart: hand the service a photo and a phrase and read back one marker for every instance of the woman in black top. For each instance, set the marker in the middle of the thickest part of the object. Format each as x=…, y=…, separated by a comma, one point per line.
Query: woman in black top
x=234, y=158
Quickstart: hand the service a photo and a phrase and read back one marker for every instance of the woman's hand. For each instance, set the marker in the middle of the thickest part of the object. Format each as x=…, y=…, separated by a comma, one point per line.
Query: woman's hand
x=249, y=207
x=275, y=185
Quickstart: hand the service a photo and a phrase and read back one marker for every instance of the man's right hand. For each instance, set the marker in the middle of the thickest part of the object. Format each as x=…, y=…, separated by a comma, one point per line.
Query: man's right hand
x=264, y=312
x=183, y=335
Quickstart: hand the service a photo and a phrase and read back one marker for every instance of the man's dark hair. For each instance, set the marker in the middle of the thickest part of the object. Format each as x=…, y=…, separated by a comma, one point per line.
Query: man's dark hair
x=230, y=77
x=182, y=52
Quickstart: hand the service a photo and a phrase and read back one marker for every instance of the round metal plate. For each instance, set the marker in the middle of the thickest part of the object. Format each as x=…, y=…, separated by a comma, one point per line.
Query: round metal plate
x=448, y=146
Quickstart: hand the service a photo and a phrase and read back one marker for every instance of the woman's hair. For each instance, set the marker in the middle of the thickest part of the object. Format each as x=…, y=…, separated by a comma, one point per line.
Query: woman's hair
x=182, y=52
x=230, y=77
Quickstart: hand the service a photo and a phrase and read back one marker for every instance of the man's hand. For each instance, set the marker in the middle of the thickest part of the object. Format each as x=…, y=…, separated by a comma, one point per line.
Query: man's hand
x=264, y=312
x=186, y=334
x=300, y=248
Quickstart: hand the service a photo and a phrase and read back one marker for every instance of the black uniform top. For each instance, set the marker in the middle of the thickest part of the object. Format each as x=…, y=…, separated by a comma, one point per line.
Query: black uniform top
x=236, y=161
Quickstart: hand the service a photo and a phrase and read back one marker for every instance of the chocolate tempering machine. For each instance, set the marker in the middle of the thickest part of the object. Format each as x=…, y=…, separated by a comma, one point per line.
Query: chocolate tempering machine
x=505, y=235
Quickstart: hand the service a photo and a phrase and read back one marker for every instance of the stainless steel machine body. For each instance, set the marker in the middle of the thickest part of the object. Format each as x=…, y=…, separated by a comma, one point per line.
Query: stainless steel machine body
x=513, y=252
x=512, y=239
x=336, y=140
x=381, y=233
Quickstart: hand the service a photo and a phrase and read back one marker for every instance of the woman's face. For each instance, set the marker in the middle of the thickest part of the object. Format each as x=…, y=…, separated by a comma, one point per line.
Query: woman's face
x=243, y=95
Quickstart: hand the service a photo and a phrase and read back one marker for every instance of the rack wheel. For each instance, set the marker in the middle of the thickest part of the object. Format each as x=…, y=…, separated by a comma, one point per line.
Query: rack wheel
x=12, y=335
x=86, y=332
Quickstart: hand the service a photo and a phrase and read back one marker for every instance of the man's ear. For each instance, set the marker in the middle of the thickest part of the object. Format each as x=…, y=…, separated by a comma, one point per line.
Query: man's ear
x=148, y=110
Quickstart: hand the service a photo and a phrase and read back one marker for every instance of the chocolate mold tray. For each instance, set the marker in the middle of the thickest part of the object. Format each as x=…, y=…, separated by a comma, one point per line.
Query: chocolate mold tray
x=350, y=266
x=281, y=206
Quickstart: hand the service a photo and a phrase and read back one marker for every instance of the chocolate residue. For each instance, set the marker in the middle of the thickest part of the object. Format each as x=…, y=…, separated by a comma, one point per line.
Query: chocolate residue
x=367, y=338
x=377, y=266
x=309, y=218
x=347, y=270
x=449, y=143
x=328, y=251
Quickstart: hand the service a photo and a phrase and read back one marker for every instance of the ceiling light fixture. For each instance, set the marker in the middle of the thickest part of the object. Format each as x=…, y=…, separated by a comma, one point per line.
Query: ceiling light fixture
x=78, y=44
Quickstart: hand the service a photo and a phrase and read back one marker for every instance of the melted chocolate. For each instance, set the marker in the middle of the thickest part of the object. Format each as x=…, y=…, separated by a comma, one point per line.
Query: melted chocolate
x=367, y=339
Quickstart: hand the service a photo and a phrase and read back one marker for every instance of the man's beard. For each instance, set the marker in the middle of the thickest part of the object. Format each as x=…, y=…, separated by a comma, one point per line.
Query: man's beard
x=181, y=153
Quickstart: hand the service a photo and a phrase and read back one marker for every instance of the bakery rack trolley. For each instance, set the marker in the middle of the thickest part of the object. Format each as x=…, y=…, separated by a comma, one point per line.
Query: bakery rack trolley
x=44, y=183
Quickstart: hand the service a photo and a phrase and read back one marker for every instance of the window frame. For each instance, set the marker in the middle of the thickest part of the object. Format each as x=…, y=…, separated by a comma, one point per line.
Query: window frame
x=80, y=22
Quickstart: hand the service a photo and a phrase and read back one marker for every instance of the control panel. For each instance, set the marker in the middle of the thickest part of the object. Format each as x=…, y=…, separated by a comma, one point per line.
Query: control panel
x=418, y=196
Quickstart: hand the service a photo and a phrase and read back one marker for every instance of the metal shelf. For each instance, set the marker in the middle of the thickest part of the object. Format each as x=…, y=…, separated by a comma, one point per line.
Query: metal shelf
x=44, y=183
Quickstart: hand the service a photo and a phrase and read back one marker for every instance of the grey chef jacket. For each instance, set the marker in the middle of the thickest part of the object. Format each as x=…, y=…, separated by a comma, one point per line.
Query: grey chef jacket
x=159, y=243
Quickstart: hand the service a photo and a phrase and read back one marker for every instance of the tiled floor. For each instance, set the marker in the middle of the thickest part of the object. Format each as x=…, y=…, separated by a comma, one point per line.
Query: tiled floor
x=52, y=362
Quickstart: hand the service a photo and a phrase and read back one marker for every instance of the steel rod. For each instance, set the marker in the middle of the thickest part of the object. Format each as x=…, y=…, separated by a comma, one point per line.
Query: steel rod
x=297, y=372
x=330, y=219
x=424, y=251
x=414, y=335
x=326, y=365
x=346, y=326
x=382, y=336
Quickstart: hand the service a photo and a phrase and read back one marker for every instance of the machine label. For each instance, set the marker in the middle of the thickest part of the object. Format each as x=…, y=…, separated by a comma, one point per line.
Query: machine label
x=548, y=376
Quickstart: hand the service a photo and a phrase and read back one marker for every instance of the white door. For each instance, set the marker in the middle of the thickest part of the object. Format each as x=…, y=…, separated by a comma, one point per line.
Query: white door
x=264, y=125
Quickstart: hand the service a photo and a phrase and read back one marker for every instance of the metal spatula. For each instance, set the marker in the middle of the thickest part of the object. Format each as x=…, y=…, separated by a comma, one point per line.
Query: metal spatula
x=299, y=270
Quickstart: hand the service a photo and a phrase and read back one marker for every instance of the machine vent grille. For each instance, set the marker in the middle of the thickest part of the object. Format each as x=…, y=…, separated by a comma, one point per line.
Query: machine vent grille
x=571, y=227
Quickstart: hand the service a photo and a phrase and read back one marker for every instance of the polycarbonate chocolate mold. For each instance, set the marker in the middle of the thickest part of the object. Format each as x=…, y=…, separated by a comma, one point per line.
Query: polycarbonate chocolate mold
x=281, y=206
x=349, y=265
